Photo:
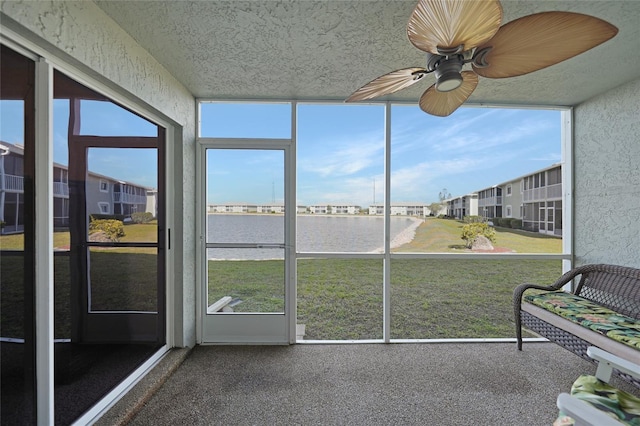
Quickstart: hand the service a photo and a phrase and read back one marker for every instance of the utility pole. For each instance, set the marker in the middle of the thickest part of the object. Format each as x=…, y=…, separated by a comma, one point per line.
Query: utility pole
x=374, y=191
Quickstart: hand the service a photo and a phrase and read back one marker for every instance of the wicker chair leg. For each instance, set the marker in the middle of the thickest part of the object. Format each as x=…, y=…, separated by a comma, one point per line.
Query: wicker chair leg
x=519, y=330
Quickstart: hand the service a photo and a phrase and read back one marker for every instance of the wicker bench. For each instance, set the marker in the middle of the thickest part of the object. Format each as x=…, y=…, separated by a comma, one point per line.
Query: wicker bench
x=602, y=288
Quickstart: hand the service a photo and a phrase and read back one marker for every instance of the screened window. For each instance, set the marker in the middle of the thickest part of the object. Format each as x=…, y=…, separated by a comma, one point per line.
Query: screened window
x=371, y=200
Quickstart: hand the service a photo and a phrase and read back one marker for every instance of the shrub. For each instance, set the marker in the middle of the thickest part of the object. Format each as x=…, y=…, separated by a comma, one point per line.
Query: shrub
x=96, y=216
x=516, y=223
x=502, y=221
x=141, y=217
x=471, y=230
x=113, y=228
x=474, y=219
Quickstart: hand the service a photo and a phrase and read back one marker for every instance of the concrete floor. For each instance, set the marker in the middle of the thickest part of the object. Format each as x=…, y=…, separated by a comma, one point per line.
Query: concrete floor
x=358, y=384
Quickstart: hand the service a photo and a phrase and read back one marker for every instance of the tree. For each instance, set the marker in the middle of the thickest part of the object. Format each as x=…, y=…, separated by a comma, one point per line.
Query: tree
x=435, y=208
x=444, y=195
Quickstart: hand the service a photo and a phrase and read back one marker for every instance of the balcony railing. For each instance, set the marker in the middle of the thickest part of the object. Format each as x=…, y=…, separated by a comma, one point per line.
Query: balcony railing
x=61, y=189
x=12, y=183
x=551, y=192
x=490, y=201
x=123, y=197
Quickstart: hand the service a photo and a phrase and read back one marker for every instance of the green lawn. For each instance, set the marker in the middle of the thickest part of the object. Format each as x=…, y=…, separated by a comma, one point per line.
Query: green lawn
x=430, y=298
x=443, y=236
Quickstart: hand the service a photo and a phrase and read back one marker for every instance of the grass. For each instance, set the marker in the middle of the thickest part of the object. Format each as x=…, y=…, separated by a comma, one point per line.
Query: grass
x=443, y=236
x=143, y=232
x=336, y=298
x=342, y=299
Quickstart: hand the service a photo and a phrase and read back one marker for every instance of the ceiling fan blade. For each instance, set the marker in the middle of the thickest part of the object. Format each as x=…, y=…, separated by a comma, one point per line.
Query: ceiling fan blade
x=537, y=41
x=388, y=83
x=441, y=26
x=443, y=104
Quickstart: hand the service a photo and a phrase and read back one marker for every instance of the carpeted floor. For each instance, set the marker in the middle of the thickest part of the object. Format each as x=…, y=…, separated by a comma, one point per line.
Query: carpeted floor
x=376, y=384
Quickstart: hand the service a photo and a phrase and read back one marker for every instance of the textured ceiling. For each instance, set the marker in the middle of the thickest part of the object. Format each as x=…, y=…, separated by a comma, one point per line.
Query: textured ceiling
x=324, y=50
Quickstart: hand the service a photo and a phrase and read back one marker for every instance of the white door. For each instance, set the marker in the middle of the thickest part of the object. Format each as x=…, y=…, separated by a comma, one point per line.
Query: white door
x=246, y=243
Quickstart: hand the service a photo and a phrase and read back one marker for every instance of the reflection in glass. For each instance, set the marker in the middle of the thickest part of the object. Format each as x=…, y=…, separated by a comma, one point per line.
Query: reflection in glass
x=118, y=187
x=105, y=118
x=109, y=305
x=123, y=279
x=17, y=328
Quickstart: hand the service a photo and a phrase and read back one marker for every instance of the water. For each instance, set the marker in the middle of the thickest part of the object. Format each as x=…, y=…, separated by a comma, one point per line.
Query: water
x=359, y=234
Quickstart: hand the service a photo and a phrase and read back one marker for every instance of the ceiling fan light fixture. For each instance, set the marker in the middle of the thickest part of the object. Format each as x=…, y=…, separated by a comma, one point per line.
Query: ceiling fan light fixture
x=448, y=76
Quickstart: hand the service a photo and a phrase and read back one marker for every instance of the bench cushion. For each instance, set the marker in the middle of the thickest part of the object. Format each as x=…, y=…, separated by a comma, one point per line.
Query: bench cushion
x=588, y=314
x=617, y=403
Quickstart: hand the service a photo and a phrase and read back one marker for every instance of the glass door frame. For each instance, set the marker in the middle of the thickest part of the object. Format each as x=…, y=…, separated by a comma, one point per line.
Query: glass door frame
x=109, y=326
x=240, y=328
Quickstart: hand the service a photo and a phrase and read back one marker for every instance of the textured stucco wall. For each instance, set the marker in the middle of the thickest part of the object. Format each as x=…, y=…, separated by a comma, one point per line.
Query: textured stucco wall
x=607, y=178
x=81, y=34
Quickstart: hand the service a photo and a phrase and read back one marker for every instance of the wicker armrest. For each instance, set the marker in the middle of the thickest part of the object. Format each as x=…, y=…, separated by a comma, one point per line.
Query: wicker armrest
x=519, y=291
x=565, y=279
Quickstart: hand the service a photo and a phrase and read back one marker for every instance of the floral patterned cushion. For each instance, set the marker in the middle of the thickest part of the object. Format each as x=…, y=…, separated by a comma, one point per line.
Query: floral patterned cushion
x=619, y=404
x=588, y=314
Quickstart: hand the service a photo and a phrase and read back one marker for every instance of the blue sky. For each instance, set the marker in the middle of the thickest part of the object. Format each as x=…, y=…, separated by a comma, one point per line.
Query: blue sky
x=340, y=149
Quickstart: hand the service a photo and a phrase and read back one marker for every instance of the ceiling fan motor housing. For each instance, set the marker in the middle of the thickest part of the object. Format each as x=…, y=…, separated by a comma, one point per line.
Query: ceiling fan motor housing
x=448, y=75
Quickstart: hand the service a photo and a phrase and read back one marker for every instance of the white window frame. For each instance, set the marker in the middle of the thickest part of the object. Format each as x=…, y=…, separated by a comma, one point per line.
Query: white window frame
x=104, y=185
x=103, y=205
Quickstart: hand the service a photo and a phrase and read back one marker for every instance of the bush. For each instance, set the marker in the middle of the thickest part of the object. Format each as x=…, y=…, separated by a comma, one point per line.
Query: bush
x=502, y=221
x=141, y=217
x=516, y=223
x=113, y=228
x=471, y=230
x=95, y=216
x=474, y=219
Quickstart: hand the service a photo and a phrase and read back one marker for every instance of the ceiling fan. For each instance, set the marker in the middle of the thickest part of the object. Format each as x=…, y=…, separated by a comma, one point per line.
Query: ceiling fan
x=454, y=33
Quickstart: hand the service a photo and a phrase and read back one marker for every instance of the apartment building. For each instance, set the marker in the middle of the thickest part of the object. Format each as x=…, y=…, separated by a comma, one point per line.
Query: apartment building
x=232, y=208
x=104, y=195
x=542, y=201
x=401, y=209
x=535, y=198
x=466, y=205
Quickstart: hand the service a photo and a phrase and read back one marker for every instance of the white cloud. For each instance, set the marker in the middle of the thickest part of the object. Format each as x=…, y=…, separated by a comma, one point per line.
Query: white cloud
x=349, y=157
